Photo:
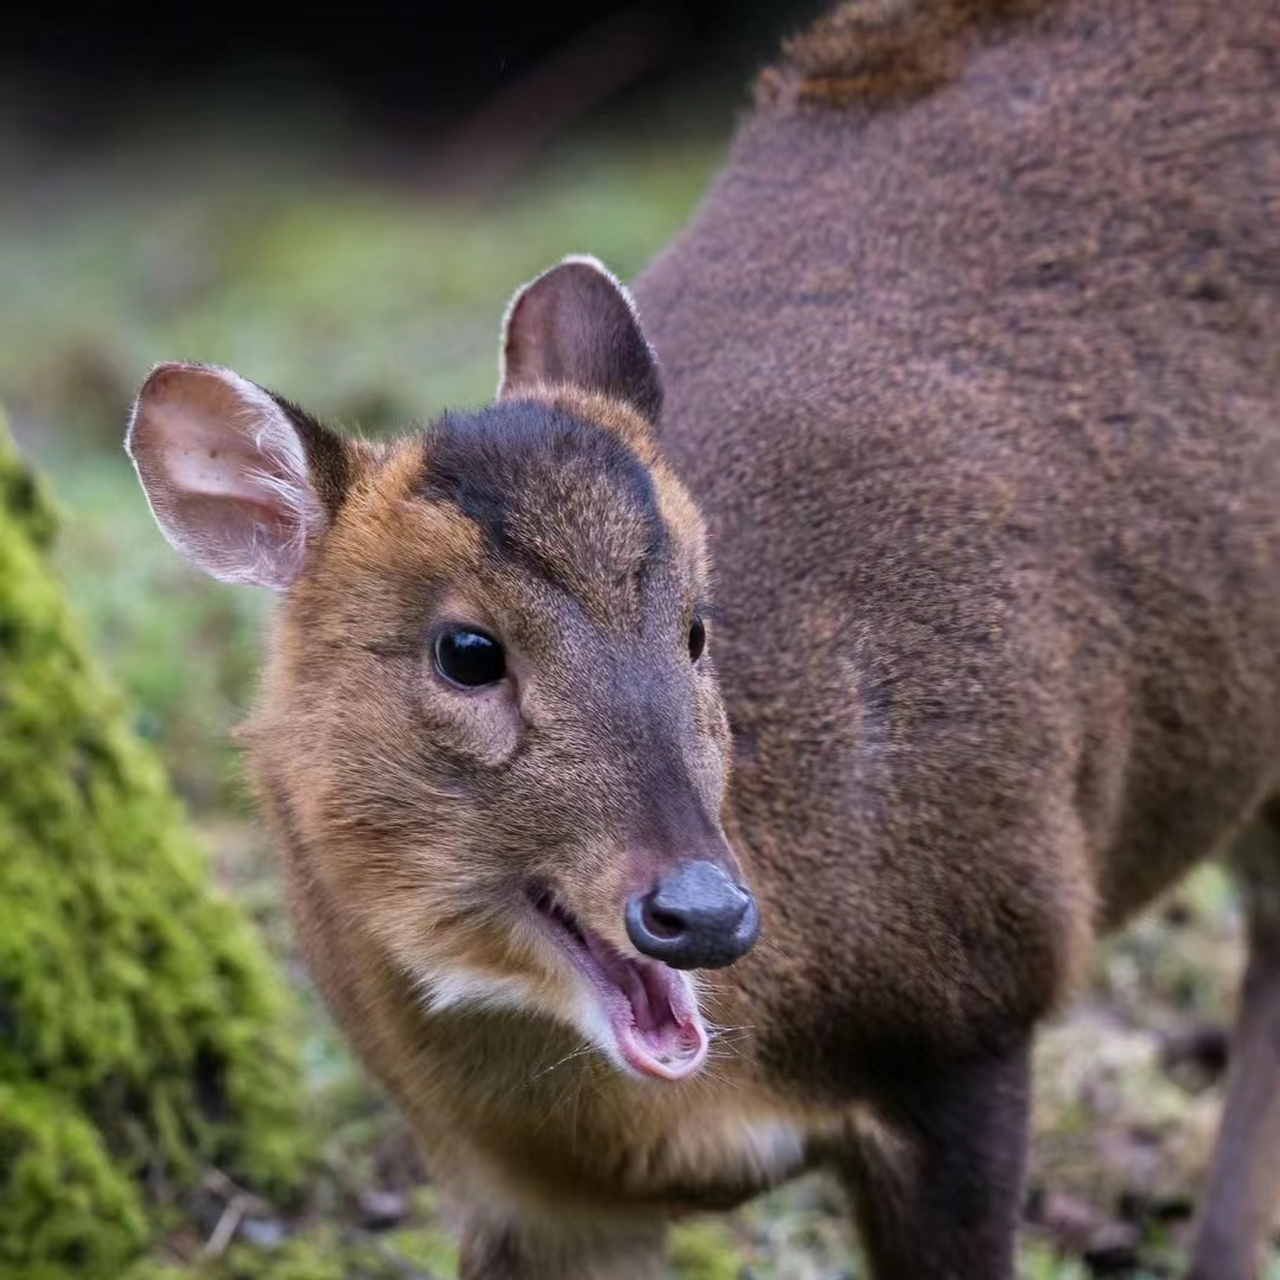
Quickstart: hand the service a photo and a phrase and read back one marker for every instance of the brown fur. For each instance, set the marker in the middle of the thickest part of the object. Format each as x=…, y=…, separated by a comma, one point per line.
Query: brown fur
x=674, y=504
x=873, y=53
x=976, y=387
x=989, y=432
x=370, y=909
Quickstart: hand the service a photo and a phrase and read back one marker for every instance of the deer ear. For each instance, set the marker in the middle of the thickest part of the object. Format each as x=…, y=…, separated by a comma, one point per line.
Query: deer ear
x=577, y=324
x=238, y=480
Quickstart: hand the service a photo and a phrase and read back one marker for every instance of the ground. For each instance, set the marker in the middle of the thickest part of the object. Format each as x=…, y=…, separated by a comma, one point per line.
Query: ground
x=375, y=305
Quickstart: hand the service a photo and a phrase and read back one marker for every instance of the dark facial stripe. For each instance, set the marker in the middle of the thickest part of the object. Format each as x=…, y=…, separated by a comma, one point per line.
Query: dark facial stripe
x=548, y=490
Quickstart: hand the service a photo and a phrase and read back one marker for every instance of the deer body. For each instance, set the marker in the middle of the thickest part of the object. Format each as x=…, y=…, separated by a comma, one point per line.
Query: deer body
x=986, y=440
x=970, y=367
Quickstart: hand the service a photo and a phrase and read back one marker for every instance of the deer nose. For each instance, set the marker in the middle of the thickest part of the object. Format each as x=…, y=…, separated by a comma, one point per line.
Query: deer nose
x=696, y=918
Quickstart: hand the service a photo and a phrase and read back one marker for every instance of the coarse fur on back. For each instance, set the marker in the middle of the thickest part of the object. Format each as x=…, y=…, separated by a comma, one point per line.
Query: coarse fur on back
x=873, y=53
x=966, y=381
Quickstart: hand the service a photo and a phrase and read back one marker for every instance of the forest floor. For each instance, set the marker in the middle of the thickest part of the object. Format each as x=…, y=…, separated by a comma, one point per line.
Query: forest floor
x=375, y=306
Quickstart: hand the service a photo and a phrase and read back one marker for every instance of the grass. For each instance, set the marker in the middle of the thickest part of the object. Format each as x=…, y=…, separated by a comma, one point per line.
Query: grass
x=375, y=307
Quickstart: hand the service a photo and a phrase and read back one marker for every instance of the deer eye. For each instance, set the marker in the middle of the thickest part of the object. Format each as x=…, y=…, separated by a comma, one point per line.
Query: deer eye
x=697, y=638
x=469, y=658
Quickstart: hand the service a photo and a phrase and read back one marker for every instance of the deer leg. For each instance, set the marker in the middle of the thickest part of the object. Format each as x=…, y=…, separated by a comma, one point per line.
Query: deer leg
x=1244, y=1178
x=940, y=1197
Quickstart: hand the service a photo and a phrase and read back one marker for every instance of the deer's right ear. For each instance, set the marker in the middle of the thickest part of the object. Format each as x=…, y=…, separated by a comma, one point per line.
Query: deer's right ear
x=238, y=480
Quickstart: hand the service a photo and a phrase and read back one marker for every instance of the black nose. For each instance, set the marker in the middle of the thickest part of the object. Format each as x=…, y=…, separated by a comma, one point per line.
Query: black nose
x=696, y=918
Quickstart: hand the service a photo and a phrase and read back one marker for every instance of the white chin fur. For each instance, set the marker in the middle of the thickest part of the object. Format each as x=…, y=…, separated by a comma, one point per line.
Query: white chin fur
x=460, y=988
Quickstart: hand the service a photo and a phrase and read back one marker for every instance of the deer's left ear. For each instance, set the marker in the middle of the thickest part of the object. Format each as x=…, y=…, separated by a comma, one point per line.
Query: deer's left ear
x=576, y=324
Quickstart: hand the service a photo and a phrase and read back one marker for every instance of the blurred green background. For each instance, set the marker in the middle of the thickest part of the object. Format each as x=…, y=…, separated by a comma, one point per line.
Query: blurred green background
x=361, y=267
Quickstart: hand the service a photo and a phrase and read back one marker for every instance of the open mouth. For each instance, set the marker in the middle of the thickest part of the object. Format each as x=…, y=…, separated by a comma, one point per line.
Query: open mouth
x=652, y=1012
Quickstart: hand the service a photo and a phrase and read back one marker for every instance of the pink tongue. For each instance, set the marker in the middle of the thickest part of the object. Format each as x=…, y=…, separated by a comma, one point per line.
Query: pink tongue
x=657, y=1025
x=649, y=990
x=644, y=1007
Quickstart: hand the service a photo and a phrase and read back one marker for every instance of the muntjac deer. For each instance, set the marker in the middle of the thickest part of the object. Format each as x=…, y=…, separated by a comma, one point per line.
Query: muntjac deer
x=970, y=380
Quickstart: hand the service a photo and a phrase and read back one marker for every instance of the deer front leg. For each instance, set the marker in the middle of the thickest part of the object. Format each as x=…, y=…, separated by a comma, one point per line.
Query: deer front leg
x=940, y=1197
x=542, y=1247
x=1244, y=1181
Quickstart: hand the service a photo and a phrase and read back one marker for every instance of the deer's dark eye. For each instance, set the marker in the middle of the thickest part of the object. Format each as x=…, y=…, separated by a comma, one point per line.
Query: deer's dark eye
x=697, y=638
x=469, y=658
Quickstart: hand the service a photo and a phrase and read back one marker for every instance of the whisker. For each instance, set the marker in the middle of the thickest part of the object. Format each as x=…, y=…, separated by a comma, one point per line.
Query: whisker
x=568, y=1057
x=769, y=942
x=708, y=1074
x=736, y=1035
x=728, y=1026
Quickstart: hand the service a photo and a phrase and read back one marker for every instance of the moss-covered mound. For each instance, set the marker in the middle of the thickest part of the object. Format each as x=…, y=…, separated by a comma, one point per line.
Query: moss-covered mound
x=140, y=1020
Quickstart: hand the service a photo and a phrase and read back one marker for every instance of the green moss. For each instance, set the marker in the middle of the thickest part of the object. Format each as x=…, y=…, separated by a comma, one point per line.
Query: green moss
x=704, y=1251
x=139, y=1017
x=323, y=1253
x=428, y=1249
x=1040, y=1262
x=318, y=1258
x=63, y=1202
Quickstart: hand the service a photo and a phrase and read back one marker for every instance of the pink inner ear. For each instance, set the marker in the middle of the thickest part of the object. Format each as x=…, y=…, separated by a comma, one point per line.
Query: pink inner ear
x=225, y=473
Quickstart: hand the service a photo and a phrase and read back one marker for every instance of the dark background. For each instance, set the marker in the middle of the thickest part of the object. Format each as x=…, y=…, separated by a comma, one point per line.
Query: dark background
x=409, y=69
